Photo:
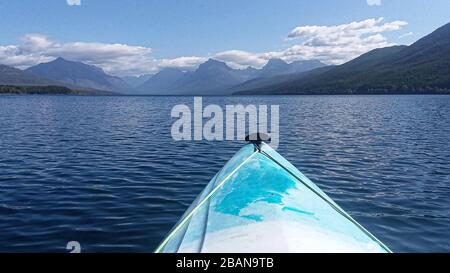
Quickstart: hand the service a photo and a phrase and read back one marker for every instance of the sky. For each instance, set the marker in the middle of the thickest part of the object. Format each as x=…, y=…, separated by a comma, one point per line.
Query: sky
x=136, y=37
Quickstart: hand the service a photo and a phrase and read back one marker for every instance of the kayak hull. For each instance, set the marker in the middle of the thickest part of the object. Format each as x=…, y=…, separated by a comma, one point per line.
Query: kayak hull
x=259, y=202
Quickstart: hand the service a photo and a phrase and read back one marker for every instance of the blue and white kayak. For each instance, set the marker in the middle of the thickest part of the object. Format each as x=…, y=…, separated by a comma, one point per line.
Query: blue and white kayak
x=259, y=202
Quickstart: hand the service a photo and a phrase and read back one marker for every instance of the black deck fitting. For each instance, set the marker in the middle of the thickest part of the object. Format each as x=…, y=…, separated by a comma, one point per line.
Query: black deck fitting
x=257, y=138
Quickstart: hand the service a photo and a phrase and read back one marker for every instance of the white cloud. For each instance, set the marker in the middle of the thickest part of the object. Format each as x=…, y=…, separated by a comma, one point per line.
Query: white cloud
x=74, y=2
x=185, y=63
x=374, y=2
x=113, y=58
x=241, y=59
x=341, y=33
x=329, y=44
x=339, y=43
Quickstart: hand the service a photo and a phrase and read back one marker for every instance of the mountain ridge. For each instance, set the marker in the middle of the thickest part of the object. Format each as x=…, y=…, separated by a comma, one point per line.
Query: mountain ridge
x=423, y=67
x=135, y=81
x=214, y=77
x=79, y=74
x=160, y=83
x=13, y=76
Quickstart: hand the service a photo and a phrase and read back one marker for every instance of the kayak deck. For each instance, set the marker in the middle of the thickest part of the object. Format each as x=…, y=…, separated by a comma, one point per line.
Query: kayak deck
x=259, y=202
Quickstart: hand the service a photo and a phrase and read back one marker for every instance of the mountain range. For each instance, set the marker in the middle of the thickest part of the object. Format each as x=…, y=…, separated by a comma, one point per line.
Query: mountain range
x=14, y=76
x=13, y=80
x=423, y=67
x=217, y=78
x=79, y=74
x=210, y=78
x=135, y=81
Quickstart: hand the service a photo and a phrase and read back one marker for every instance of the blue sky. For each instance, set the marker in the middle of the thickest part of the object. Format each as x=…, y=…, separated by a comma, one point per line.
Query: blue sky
x=140, y=36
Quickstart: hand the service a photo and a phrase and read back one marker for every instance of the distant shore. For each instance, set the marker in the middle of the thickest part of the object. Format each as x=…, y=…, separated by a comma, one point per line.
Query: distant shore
x=61, y=90
x=48, y=90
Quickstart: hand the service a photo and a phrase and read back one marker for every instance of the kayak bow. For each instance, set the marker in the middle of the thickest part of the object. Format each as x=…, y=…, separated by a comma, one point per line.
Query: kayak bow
x=259, y=202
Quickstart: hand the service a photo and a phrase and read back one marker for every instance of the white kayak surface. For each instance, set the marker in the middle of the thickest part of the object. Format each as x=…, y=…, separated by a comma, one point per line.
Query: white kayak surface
x=260, y=203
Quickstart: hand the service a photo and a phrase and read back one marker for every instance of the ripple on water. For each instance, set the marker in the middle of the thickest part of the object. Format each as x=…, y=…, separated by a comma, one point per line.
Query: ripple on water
x=104, y=171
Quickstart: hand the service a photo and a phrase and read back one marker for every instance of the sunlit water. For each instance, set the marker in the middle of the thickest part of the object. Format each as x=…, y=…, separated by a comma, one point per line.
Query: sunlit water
x=105, y=171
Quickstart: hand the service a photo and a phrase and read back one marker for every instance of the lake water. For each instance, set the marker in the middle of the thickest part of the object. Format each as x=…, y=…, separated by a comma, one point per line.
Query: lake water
x=105, y=171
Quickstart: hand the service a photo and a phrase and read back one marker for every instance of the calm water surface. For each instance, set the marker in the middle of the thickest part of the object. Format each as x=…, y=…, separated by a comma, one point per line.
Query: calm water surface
x=105, y=171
